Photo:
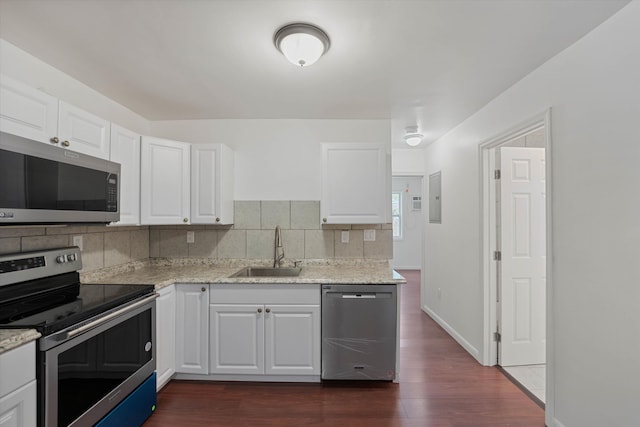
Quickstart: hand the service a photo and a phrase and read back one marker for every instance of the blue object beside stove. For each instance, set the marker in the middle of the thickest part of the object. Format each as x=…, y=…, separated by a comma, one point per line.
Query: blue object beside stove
x=134, y=410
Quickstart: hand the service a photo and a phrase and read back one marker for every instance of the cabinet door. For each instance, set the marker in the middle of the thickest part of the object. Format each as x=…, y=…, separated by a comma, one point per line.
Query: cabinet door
x=355, y=184
x=165, y=335
x=211, y=184
x=237, y=339
x=125, y=149
x=192, y=329
x=18, y=409
x=27, y=112
x=292, y=339
x=164, y=181
x=83, y=132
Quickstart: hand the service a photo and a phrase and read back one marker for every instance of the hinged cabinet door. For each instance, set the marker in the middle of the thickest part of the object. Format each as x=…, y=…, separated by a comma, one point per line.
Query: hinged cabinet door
x=27, y=112
x=292, y=339
x=83, y=132
x=125, y=149
x=165, y=335
x=211, y=184
x=237, y=339
x=164, y=181
x=192, y=329
x=355, y=184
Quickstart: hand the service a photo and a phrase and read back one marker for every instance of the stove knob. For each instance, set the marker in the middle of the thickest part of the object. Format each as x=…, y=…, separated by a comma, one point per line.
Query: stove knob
x=60, y=259
x=71, y=257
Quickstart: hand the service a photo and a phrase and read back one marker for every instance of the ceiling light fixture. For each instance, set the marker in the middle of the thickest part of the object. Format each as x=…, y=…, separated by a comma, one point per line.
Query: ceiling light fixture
x=412, y=137
x=302, y=44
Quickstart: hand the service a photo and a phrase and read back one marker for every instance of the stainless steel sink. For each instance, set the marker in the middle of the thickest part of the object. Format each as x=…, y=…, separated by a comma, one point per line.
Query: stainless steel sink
x=268, y=272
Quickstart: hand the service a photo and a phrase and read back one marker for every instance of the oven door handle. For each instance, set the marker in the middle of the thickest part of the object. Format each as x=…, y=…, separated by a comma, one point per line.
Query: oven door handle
x=111, y=316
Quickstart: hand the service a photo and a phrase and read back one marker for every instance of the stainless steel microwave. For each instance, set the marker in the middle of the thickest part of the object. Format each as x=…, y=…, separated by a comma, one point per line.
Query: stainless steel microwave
x=41, y=184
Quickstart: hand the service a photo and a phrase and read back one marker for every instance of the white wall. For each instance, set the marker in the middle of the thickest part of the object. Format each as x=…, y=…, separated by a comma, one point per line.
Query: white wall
x=593, y=89
x=22, y=66
x=276, y=159
x=407, y=161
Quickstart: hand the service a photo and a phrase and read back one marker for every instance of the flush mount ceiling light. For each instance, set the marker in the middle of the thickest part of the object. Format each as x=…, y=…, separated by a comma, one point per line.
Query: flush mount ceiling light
x=302, y=44
x=412, y=137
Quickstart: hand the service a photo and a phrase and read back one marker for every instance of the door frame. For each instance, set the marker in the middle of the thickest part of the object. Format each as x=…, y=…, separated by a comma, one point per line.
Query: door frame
x=488, y=243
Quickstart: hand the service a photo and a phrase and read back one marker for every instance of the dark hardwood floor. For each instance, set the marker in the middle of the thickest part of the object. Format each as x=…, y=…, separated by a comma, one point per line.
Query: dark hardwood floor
x=441, y=385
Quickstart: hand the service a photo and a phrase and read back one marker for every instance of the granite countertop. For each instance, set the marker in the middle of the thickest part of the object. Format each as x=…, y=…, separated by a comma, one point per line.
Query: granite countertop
x=12, y=338
x=165, y=272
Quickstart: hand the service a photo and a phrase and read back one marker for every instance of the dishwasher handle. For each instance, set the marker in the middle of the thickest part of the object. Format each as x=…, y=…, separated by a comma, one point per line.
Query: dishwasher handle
x=359, y=295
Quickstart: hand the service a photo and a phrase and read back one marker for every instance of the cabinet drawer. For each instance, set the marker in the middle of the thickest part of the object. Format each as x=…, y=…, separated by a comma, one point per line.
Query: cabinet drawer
x=264, y=294
x=17, y=367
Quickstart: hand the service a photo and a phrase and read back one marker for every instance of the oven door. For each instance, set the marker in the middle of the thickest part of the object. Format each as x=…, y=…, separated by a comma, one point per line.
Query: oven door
x=99, y=364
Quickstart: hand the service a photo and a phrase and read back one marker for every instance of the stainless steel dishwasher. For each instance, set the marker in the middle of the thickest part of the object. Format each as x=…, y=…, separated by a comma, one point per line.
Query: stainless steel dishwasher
x=359, y=332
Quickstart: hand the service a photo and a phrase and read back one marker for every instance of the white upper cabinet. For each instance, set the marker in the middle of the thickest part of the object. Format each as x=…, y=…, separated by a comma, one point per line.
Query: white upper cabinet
x=83, y=132
x=125, y=149
x=211, y=184
x=355, y=184
x=27, y=112
x=164, y=181
x=33, y=114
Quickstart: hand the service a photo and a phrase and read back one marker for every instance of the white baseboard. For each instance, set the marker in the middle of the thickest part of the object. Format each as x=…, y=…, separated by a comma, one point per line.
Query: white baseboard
x=454, y=334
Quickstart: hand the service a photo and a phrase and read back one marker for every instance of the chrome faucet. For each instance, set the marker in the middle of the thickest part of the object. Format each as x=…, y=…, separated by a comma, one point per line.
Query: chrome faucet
x=278, y=250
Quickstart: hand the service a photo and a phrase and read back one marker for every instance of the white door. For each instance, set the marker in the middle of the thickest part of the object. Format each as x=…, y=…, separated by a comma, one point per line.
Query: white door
x=165, y=335
x=125, y=149
x=27, y=112
x=355, y=184
x=83, y=132
x=292, y=339
x=237, y=339
x=164, y=181
x=523, y=250
x=192, y=329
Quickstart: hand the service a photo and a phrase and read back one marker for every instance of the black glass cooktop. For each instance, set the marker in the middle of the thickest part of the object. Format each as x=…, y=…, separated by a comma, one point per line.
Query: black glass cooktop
x=55, y=303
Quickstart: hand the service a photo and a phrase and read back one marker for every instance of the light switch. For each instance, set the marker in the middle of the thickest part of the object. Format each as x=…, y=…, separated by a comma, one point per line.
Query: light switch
x=345, y=236
x=370, y=235
x=191, y=238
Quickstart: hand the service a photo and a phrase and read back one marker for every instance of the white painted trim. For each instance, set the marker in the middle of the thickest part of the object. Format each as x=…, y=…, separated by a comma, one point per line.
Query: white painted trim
x=486, y=158
x=555, y=423
x=454, y=334
x=255, y=378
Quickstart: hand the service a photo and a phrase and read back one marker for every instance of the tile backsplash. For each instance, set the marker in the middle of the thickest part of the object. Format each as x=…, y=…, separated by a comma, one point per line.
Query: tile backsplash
x=103, y=246
x=250, y=237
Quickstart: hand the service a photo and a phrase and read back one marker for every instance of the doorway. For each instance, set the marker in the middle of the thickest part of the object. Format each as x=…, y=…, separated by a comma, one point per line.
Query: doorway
x=515, y=207
x=407, y=216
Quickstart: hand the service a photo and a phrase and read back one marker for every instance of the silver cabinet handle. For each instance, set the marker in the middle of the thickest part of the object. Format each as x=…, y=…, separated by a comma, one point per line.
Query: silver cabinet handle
x=203, y=289
x=66, y=143
x=54, y=140
x=259, y=310
x=268, y=310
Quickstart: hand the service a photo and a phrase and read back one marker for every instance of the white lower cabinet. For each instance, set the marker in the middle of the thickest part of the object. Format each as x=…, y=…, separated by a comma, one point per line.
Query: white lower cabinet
x=18, y=387
x=165, y=335
x=192, y=329
x=264, y=329
x=236, y=339
x=18, y=409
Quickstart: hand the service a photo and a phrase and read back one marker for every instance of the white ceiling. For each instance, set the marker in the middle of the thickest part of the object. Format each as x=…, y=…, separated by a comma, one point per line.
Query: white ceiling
x=426, y=62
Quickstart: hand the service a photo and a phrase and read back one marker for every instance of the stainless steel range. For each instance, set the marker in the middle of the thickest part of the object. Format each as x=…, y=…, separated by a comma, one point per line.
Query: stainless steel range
x=96, y=359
